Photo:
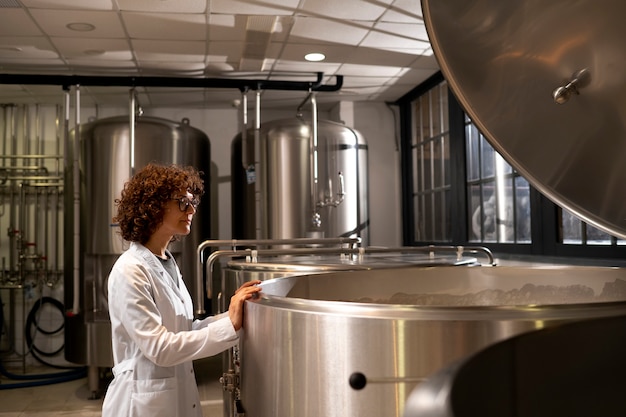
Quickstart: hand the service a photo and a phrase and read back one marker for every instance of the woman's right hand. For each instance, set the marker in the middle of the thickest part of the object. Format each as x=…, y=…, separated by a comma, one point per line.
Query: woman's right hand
x=243, y=293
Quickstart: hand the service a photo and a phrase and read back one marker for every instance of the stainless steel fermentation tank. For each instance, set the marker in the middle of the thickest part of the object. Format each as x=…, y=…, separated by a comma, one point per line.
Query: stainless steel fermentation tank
x=107, y=146
x=304, y=187
x=307, y=257
x=356, y=343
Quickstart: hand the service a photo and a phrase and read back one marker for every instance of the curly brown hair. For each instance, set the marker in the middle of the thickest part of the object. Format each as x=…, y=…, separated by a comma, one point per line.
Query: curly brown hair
x=141, y=208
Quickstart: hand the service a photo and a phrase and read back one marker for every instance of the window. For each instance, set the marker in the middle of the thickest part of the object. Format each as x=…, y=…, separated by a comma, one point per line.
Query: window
x=498, y=197
x=458, y=190
x=431, y=170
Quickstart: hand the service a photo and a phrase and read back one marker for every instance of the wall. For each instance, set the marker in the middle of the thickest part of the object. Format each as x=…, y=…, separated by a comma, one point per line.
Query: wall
x=375, y=121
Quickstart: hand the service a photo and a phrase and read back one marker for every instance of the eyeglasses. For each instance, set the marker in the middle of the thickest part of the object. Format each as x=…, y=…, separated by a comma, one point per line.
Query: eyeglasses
x=185, y=202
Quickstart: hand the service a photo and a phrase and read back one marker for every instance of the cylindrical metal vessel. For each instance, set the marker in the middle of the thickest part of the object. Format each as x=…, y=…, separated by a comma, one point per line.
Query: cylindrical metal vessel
x=106, y=153
x=294, y=188
x=237, y=272
x=308, y=336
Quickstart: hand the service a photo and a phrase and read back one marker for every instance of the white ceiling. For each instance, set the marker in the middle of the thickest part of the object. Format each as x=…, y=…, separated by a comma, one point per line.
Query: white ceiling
x=379, y=47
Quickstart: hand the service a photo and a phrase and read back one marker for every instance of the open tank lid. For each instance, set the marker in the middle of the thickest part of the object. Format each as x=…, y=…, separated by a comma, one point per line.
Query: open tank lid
x=545, y=84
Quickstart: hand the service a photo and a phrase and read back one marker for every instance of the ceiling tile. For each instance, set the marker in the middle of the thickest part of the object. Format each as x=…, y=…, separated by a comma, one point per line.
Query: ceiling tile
x=316, y=30
x=225, y=51
x=415, y=30
x=169, y=6
x=237, y=7
x=53, y=22
x=384, y=41
x=305, y=67
x=376, y=57
x=87, y=48
x=168, y=26
x=369, y=70
x=227, y=28
x=173, y=68
x=296, y=52
x=404, y=11
x=187, y=51
x=346, y=9
x=26, y=47
x=15, y=22
x=69, y=4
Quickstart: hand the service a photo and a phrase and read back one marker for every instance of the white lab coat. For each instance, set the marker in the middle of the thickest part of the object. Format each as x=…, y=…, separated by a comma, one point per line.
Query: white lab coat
x=155, y=340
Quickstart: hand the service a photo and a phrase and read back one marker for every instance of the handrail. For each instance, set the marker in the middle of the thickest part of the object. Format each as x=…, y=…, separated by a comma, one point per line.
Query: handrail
x=235, y=243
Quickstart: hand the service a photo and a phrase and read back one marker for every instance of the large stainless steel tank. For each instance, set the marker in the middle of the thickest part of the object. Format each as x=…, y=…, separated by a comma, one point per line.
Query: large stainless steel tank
x=356, y=343
x=105, y=166
x=289, y=195
x=271, y=264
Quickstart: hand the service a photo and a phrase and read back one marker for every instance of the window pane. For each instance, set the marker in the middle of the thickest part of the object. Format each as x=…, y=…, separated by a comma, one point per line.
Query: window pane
x=571, y=228
x=473, y=152
x=474, y=205
x=488, y=214
x=488, y=162
x=522, y=207
x=597, y=237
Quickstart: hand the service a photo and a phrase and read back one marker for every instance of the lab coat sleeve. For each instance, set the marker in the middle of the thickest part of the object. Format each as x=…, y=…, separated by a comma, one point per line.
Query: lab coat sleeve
x=158, y=325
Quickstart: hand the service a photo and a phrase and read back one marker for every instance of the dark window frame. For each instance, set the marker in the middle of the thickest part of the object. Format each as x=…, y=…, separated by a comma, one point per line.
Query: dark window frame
x=544, y=213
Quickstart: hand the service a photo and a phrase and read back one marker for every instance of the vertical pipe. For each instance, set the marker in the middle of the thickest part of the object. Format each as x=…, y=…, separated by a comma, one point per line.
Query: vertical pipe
x=261, y=180
x=76, y=194
x=132, y=104
x=244, y=130
x=316, y=220
x=12, y=204
x=56, y=211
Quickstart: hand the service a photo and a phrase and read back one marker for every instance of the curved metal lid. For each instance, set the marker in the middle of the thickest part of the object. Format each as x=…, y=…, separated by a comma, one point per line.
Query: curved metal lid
x=545, y=84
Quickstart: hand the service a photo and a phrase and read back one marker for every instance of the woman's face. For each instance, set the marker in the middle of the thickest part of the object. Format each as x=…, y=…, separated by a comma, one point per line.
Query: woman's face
x=179, y=212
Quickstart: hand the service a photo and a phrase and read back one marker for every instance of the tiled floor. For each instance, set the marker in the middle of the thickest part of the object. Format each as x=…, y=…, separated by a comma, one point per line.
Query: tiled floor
x=71, y=399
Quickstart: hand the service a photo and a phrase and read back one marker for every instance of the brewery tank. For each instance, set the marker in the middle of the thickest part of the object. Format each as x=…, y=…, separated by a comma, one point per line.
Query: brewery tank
x=105, y=165
x=299, y=183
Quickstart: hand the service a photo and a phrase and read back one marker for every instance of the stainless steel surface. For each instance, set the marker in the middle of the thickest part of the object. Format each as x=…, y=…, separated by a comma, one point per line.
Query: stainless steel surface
x=286, y=182
x=307, y=335
x=106, y=166
x=237, y=249
x=268, y=264
x=505, y=60
x=575, y=369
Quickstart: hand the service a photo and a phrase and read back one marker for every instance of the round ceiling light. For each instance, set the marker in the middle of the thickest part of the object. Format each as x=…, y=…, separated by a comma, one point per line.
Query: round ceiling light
x=315, y=57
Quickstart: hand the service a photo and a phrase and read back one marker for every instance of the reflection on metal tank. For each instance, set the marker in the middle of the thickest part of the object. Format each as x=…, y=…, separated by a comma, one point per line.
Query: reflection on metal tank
x=357, y=343
x=286, y=208
x=105, y=166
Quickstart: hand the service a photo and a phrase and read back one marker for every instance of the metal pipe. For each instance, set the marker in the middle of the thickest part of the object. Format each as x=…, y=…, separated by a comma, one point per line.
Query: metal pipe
x=107, y=81
x=131, y=113
x=234, y=243
x=316, y=220
x=76, y=194
x=244, y=129
x=260, y=185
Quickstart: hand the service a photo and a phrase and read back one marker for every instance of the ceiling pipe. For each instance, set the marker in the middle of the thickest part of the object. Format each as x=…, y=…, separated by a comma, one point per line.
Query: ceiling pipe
x=102, y=81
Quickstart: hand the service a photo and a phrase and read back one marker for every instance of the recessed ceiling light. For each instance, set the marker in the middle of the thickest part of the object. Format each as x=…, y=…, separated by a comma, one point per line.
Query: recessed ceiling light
x=80, y=26
x=315, y=56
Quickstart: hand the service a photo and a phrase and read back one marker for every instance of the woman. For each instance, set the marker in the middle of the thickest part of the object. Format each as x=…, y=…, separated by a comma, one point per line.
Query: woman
x=155, y=338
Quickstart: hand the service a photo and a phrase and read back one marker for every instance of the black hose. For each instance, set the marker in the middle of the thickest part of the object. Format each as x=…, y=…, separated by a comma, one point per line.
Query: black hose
x=40, y=379
x=31, y=321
